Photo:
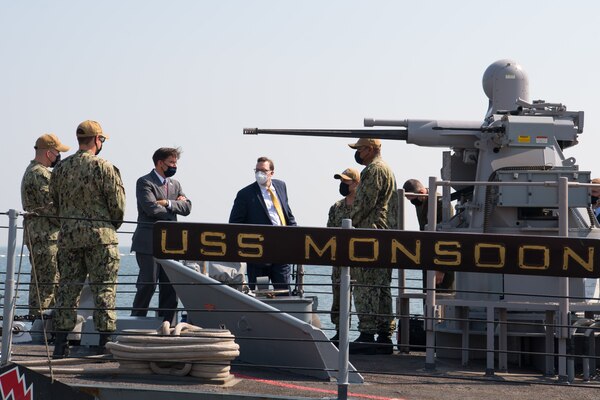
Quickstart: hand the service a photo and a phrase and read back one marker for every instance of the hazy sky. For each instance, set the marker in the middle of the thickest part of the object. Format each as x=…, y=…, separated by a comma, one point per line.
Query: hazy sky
x=194, y=73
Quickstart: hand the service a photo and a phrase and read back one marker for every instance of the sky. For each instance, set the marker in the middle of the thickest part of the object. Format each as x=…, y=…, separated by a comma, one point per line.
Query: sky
x=193, y=74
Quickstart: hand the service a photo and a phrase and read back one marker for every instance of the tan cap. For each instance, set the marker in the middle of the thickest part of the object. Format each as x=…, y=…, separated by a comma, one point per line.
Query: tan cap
x=90, y=129
x=366, y=142
x=50, y=141
x=350, y=174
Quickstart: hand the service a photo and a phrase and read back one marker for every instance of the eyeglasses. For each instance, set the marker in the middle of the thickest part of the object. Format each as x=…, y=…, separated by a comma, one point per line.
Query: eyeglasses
x=101, y=139
x=266, y=171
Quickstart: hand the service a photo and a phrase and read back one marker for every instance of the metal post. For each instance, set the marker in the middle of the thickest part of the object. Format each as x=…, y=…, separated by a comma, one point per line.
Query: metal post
x=489, y=367
x=563, y=305
x=430, y=284
x=400, y=226
x=503, y=340
x=549, y=321
x=446, y=195
x=344, y=324
x=403, y=303
x=9, y=289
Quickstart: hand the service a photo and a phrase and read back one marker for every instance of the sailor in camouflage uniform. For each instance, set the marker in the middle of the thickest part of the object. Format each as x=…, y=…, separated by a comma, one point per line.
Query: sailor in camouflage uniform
x=375, y=207
x=90, y=188
x=341, y=210
x=41, y=232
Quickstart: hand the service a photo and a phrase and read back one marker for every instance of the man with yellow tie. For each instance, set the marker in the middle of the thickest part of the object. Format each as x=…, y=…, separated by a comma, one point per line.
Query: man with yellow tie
x=264, y=202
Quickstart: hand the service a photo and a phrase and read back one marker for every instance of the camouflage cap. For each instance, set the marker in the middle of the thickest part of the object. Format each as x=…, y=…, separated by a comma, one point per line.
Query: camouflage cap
x=50, y=141
x=366, y=142
x=90, y=129
x=349, y=174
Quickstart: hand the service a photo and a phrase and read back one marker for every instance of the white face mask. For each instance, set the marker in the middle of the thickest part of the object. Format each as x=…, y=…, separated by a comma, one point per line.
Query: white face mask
x=261, y=178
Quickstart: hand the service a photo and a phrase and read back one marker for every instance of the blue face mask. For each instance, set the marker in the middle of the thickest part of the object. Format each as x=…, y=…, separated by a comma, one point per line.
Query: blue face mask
x=170, y=171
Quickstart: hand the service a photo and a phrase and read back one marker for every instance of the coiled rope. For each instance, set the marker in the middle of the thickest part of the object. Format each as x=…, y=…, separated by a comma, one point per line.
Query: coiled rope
x=183, y=350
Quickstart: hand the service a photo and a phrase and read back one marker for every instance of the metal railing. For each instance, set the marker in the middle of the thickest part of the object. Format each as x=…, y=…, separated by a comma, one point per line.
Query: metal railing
x=401, y=284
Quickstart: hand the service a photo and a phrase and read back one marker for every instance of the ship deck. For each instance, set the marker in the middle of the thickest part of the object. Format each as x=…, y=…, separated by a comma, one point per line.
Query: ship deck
x=397, y=376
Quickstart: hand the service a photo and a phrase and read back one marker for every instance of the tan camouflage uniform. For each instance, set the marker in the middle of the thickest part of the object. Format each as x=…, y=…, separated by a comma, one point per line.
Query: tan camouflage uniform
x=337, y=213
x=41, y=234
x=88, y=187
x=375, y=207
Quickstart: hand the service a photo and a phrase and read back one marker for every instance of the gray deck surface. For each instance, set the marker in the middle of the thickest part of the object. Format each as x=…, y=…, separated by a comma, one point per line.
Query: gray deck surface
x=386, y=377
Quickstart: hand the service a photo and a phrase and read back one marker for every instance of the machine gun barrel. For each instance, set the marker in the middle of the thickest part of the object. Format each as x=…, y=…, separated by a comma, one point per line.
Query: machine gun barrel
x=394, y=134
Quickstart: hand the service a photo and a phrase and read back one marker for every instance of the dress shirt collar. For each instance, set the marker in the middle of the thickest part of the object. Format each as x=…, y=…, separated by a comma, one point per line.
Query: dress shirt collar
x=264, y=190
x=162, y=180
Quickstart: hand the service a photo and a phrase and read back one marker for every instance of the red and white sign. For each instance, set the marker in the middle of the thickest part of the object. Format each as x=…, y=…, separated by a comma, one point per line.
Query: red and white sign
x=14, y=387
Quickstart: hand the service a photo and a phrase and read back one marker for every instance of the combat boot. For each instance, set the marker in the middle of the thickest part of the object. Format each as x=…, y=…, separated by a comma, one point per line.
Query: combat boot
x=105, y=337
x=61, y=345
x=364, y=344
x=384, y=344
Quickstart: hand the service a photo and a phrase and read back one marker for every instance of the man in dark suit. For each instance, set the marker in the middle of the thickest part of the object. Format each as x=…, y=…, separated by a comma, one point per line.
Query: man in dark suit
x=264, y=202
x=159, y=198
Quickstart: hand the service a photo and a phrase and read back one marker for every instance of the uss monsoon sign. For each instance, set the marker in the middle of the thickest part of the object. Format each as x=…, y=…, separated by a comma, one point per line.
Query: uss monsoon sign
x=371, y=248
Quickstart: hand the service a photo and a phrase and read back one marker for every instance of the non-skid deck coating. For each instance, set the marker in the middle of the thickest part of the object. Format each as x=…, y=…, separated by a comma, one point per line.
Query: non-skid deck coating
x=386, y=377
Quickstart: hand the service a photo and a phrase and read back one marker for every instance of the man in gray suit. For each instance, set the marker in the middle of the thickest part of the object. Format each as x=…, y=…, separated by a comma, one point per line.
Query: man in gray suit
x=159, y=198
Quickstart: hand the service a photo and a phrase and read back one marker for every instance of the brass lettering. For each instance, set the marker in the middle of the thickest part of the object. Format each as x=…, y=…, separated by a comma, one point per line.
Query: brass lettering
x=523, y=249
x=163, y=243
x=352, y=245
x=589, y=265
x=414, y=257
x=310, y=244
x=440, y=251
x=501, y=255
x=257, y=248
x=219, y=245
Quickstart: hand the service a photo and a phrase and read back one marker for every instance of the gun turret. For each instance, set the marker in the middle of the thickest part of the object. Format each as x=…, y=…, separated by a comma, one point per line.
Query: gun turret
x=517, y=141
x=514, y=135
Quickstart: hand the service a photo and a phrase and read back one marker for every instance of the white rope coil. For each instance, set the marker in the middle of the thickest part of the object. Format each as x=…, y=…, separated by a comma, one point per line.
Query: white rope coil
x=183, y=350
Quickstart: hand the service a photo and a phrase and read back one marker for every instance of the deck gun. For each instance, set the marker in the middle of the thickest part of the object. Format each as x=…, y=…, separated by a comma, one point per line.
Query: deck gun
x=517, y=141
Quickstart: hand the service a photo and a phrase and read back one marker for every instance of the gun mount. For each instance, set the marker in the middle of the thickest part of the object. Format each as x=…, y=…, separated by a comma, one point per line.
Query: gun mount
x=517, y=141
x=505, y=169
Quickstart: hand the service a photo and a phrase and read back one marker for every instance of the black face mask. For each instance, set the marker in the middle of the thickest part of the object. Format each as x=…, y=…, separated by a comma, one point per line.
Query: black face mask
x=98, y=150
x=417, y=202
x=357, y=157
x=170, y=171
x=595, y=199
x=56, y=161
x=344, y=189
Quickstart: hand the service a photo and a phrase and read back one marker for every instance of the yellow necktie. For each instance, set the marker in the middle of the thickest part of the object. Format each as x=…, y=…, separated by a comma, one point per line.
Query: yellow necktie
x=277, y=205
